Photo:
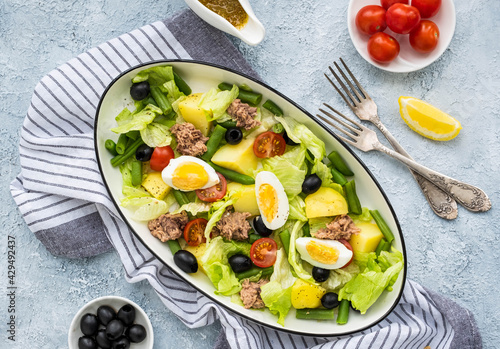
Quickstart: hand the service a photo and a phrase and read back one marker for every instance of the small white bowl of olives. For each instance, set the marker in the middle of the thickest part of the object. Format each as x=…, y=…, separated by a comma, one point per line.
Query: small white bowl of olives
x=110, y=322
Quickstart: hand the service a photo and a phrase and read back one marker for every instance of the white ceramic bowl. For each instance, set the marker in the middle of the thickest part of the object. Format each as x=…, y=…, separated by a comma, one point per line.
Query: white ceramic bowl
x=201, y=77
x=408, y=60
x=116, y=303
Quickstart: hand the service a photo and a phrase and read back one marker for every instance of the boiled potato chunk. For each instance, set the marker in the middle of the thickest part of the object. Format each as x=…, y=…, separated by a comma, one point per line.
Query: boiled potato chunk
x=239, y=157
x=155, y=185
x=192, y=113
x=198, y=252
x=247, y=201
x=306, y=295
x=367, y=239
x=325, y=202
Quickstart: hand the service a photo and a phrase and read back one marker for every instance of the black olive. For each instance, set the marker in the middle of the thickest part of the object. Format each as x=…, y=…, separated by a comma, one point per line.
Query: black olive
x=126, y=314
x=260, y=227
x=311, y=184
x=320, y=274
x=105, y=314
x=288, y=140
x=89, y=324
x=330, y=300
x=86, y=343
x=136, y=333
x=103, y=341
x=121, y=343
x=140, y=90
x=144, y=152
x=233, y=135
x=240, y=263
x=114, y=329
x=186, y=261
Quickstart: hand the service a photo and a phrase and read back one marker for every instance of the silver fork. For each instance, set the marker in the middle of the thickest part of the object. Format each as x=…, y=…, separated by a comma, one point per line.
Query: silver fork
x=365, y=109
x=469, y=196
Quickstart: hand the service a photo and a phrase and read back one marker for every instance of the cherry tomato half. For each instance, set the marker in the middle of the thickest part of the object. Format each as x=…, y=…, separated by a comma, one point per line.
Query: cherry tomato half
x=349, y=247
x=269, y=144
x=371, y=19
x=388, y=3
x=401, y=18
x=424, y=38
x=161, y=158
x=427, y=8
x=383, y=48
x=215, y=192
x=194, y=232
x=263, y=252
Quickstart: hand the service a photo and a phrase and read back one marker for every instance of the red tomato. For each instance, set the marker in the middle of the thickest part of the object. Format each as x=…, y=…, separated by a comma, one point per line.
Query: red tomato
x=427, y=8
x=424, y=38
x=402, y=18
x=215, y=192
x=388, y=3
x=194, y=232
x=349, y=247
x=263, y=252
x=161, y=158
x=371, y=19
x=383, y=48
x=269, y=144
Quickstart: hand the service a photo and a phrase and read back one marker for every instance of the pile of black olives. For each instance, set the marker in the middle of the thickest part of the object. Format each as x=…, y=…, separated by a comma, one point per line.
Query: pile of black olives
x=110, y=330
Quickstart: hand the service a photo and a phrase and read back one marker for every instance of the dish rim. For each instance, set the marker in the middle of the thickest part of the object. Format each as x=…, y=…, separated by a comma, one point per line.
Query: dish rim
x=266, y=86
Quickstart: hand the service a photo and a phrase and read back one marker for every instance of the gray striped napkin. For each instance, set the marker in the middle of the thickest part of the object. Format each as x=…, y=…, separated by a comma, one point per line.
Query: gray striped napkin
x=61, y=195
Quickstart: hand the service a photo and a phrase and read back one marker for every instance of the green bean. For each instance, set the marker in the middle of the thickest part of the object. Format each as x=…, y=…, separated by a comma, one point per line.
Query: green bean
x=352, y=198
x=232, y=175
x=337, y=176
x=245, y=87
x=306, y=230
x=149, y=100
x=383, y=245
x=285, y=240
x=253, y=237
x=273, y=108
x=121, y=144
x=110, y=145
x=315, y=314
x=278, y=128
x=180, y=197
x=181, y=84
x=213, y=142
x=228, y=124
x=343, y=315
x=136, y=173
x=130, y=151
x=245, y=96
x=161, y=99
x=339, y=164
x=133, y=134
x=384, y=228
x=174, y=246
x=255, y=271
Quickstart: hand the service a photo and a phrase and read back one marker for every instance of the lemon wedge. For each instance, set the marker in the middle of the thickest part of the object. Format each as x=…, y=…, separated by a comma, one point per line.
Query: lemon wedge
x=428, y=120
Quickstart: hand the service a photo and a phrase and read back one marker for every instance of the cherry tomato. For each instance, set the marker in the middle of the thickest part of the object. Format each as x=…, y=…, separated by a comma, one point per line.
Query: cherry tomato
x=427, y=8
x=388, y=3
x=371, y=19
x=383, y=48
x=215, y=192
x=263, y=252
x=349, y=247
x=194, y=232
x=269, y=144
x=401, y=18
x=424, y=38
x=161, y=158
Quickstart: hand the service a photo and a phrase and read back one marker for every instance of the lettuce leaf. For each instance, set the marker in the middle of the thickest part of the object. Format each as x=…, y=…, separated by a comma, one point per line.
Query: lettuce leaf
x=194, y=208
x=172, y=90
x=297, y=208
x=290, y=175
x=139, y=121
x=217, y=101
x=156, y=135
x=339, y=277
x=156, y=76
x=365, y=216
x=294, y=257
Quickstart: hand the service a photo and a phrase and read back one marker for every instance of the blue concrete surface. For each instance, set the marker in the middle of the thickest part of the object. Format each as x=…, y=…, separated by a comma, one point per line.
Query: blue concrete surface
x=458, y=259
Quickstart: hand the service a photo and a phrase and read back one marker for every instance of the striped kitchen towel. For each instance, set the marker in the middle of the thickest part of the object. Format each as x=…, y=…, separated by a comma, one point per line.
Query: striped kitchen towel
x=61, y=196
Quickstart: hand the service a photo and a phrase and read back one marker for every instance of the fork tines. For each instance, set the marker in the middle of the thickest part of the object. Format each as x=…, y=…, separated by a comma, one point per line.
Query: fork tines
x=355, y=132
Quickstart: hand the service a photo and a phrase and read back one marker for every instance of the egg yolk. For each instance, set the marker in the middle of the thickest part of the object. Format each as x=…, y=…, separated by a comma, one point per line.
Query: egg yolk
x=268, y=202
x=322, y=253
x=189, y=176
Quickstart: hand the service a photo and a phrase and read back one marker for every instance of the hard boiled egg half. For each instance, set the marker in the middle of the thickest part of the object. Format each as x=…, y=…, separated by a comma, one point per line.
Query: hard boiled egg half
x=326, y=254
x=188, y=173
x=271, y=200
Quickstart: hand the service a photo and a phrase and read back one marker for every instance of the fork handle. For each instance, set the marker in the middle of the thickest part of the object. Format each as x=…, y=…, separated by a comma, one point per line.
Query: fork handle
x=469, y=196
x=441, y=202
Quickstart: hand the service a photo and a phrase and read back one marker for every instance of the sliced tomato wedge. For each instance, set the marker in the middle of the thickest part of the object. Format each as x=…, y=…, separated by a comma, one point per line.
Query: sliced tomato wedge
x=263, y=252
x=269, y=144
x=161, y=158
x=349, y=247
x=215, y=192
x=194, y=232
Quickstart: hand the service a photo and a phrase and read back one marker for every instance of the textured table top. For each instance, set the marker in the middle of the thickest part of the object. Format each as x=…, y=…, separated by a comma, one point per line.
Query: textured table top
x=458, y=259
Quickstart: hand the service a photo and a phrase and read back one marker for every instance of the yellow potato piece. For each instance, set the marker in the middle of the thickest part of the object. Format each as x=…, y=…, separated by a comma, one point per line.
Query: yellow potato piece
x=247, y=201
x=368, y=238
x=198, y=252
x=192, y=113
x=239, y=157
x=306, y=295
x=325, y=202
x=155, y=185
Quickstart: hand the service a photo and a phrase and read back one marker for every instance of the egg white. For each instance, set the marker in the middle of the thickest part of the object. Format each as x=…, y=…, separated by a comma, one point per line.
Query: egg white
x=345, y=254
x=266, y=177
x=167, y=173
